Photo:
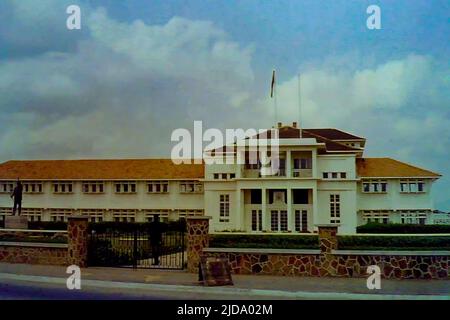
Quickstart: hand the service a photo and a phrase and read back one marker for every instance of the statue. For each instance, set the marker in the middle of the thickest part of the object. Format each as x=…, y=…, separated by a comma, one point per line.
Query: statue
x=17, y=195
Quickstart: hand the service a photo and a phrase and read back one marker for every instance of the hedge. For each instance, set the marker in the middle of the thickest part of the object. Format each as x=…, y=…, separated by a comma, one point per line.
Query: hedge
x=264, y=241
x=394, y=242
x=102, y=226
x=345, y=242
x=398, y=228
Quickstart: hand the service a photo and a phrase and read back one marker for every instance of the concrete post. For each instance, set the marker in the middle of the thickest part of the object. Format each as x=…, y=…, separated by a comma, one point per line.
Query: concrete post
x=77, y=230
x=197, y=239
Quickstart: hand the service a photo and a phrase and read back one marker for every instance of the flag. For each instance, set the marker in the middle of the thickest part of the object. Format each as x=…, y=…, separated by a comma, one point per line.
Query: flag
x=272, y=85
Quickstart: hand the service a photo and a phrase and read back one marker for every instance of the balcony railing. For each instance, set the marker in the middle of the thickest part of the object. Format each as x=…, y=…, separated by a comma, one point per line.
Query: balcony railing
x=302, y=173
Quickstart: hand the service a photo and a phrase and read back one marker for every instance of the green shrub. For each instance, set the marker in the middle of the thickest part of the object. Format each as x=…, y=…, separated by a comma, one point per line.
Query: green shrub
x=374, y=227
x=394, y=242
x=47, y=225
x=101, y=227
x=33, y=237
x=264, y=241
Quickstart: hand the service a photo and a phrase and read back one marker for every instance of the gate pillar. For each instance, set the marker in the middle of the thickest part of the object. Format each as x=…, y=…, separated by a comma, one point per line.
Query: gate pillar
x=197, y=239
x=77, y=230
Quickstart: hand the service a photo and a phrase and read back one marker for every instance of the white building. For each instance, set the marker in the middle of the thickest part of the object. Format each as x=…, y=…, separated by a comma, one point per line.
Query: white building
x=323, y=179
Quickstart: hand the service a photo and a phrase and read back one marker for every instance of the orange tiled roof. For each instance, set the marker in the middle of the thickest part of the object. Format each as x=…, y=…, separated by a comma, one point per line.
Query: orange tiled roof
x=99, y=169
x=387, y=167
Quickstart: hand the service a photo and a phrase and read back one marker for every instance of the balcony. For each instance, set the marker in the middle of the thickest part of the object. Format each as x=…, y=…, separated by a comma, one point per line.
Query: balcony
x=302, y=173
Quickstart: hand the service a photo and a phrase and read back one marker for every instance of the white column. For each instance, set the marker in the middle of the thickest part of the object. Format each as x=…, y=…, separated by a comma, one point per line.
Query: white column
x=314, y=164
x=288, y=164
x=290, y=214
x=315, y=213
x=264, y=209
x=240, y=225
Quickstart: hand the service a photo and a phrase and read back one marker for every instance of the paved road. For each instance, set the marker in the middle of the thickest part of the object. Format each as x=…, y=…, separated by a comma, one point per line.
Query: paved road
x=24, y=291
x=15, y=286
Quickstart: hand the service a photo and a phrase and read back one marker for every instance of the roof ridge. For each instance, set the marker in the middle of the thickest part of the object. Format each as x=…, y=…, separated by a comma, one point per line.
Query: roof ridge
x=329, y=140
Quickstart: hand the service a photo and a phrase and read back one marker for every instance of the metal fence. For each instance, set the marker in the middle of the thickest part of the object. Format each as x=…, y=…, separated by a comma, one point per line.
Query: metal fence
x=137, y=246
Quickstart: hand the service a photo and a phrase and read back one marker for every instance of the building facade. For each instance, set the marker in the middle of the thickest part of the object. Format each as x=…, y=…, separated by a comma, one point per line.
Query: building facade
x=323, y=178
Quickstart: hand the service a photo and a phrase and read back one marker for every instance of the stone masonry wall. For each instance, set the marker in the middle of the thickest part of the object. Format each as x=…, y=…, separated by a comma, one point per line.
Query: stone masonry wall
x=33, y=255
x=334, y=264
x=393, y=267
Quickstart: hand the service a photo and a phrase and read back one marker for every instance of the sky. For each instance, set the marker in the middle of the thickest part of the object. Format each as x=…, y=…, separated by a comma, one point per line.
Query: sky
x=137, y=70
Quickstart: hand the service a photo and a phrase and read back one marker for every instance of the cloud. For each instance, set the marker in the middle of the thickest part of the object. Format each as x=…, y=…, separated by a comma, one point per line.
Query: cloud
x=400, y=106
x=119, y=88
x=122, y=91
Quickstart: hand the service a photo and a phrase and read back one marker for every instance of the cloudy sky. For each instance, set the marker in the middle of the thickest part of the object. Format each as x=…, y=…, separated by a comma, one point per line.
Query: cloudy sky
x=139, y=69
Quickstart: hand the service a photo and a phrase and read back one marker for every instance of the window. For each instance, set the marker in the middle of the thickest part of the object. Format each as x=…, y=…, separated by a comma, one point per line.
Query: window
x=413, y=217
x=366, y=187
x=224, y=176
x=374, y=186
x=278, y=220
x=334, y=175
x=412, y=186
x=33, y=214
x=149, y=214
x=256, y=220
x=95, y=215
x=6, y=186
x=32, y=187
x=274, y=220
x=158, y=186
x=380, y=216
x=300, y=196
x=420, y=187
x=255, y=196
x=303, y=163
x=301, y=220
x=60, y=214
x=125, y=187
x=124, y=215
x=62, y=187
x=93, y=186
x=191, y=187
x=224, y=208
x=335, y=208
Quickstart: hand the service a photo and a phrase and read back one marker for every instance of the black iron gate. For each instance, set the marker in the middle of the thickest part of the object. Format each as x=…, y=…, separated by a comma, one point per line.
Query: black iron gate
x=137, y=245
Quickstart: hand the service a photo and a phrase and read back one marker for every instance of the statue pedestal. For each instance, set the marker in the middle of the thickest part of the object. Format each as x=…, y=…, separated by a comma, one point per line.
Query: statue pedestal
x=16, y=222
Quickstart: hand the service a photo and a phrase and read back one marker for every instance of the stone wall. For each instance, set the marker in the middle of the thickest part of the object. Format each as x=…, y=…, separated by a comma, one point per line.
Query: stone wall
x=283, y=264
x=329, y=261
x=392, y=266
x=50, y=254
x=74, y=252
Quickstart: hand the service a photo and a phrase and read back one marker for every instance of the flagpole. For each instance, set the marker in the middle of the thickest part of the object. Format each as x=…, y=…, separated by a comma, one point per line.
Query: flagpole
x=300, y=123
x=273, y=95
x=275, y=102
